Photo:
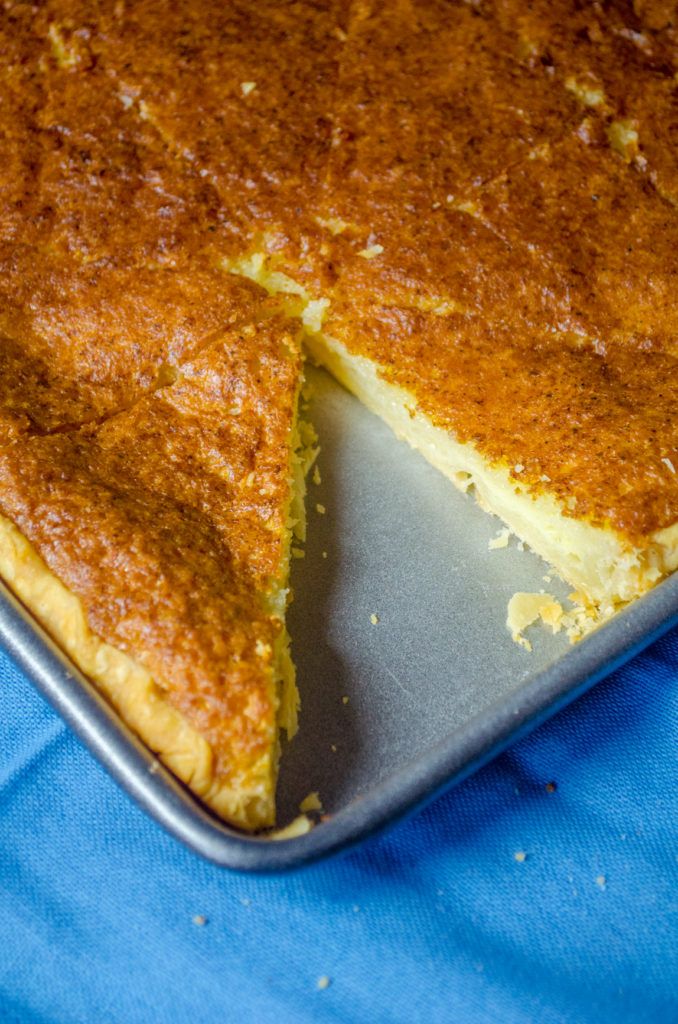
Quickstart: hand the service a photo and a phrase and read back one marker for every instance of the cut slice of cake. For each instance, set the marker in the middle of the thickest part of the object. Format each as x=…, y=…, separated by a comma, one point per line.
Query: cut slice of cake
x=531, y=397
x=603, y=564
x=154, y=548
x=504, y=278
x=148, y=437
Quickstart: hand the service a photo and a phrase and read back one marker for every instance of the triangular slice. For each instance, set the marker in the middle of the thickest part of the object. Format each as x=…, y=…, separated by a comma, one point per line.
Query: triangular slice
x=155, y=550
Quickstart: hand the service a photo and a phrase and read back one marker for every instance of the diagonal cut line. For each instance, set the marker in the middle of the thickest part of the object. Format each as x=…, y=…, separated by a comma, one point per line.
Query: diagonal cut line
x=167, y=375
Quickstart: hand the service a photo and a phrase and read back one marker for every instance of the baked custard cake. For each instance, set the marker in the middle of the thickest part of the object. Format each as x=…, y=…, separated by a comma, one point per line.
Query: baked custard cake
x=505, y=292
x=154, y=547
x=148, y=437
x=467, y=212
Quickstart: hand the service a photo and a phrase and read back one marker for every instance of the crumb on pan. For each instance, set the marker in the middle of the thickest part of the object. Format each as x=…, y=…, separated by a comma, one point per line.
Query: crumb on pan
x=524, y=609
x=298, y=827
x=500, y=541
x=310, y=803
x=374, y=618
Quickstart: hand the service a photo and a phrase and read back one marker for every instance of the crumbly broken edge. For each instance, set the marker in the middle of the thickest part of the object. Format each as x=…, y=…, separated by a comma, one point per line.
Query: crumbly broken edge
x=607, y=569
x=602, y=565
x=132, y=691
x=525, y=609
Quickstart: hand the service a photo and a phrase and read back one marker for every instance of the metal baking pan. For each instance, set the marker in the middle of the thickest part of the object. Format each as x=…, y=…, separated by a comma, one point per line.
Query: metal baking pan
x=435, y=688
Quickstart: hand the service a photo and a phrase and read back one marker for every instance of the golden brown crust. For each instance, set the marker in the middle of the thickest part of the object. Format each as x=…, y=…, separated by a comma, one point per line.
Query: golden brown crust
x=624, y=57
x=246, y=798
x=500, y=257
x=241, y=93
x=169, y=522
x=603, y=460
x=110, y=250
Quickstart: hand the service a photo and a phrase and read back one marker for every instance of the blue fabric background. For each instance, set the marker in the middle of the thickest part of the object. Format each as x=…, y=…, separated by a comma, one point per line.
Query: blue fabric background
x=435, y=921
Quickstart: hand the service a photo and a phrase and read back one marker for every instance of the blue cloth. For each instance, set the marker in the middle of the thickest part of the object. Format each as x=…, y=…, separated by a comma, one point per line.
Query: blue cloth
x=435, y=921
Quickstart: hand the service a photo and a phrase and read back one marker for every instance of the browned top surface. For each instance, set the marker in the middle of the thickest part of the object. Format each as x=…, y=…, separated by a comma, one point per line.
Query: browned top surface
x=160, y=504
x=506, y=200
x=109, y=248
x=516, y=163
x=243, y=92
x=168, y=521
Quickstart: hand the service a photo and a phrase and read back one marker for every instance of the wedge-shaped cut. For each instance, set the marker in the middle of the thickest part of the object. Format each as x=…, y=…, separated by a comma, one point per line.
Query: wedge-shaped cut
x=155, y=549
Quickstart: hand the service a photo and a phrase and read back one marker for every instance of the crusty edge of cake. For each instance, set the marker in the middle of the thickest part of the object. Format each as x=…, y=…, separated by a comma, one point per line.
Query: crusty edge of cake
x=136, y=696
x=597, y=561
